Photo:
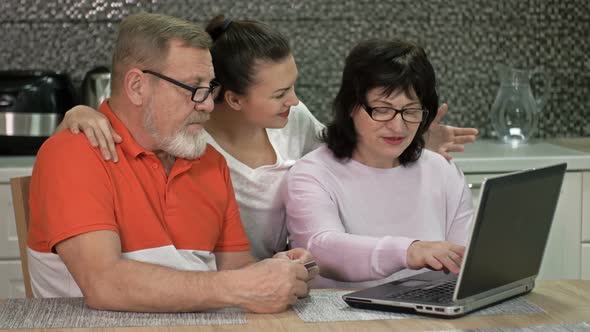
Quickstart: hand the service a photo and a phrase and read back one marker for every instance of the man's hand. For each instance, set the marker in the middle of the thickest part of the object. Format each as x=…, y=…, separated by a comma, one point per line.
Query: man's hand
x=444, y=139
x=302, y=256
x=436, y=255
x=271, y=285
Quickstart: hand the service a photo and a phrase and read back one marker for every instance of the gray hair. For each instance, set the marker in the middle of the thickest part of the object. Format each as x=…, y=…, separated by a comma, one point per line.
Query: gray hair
x=144, y=41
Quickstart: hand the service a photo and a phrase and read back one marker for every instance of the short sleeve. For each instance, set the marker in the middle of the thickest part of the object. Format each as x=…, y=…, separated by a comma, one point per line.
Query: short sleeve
x=70, y=192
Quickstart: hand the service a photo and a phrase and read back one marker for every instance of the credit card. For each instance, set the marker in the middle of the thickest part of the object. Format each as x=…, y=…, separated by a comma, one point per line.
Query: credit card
x=309, y=265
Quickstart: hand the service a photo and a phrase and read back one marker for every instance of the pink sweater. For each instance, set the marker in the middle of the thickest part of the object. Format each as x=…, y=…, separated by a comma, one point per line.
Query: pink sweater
x=358, y=221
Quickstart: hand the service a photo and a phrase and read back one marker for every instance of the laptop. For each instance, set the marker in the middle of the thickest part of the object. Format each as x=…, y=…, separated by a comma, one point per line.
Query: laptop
x=502, y=258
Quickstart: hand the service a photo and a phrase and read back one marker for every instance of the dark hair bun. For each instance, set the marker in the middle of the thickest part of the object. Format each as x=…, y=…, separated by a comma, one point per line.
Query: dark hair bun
x=216, y=27
x=237, y=45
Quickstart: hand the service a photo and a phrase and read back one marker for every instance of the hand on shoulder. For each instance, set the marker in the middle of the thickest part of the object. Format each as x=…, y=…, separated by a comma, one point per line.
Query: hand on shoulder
x=96, y=127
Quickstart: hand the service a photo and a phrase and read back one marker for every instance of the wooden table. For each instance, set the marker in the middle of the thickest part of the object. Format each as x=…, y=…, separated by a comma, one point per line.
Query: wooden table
x=565, y=301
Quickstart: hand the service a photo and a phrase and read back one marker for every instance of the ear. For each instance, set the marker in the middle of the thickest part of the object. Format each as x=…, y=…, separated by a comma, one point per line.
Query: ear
x=136, y=85
x=234, y=100
x=355, y=110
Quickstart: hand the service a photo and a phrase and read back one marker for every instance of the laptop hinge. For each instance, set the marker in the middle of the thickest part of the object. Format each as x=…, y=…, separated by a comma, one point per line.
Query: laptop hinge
x=501, y=289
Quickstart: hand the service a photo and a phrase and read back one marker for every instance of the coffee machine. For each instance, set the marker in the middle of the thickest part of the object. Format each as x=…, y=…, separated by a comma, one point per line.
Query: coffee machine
x=32, y=104
x=96, y=86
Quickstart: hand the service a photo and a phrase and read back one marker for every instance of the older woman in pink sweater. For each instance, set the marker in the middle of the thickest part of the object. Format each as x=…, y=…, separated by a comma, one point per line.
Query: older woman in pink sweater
x=372, y=204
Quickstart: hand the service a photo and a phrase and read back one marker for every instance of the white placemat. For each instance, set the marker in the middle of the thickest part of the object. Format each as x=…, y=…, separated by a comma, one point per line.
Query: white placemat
x=73, y=313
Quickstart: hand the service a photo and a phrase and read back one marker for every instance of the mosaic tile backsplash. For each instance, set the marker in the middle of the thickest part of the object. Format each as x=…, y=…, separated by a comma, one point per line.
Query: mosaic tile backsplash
x=465, y=40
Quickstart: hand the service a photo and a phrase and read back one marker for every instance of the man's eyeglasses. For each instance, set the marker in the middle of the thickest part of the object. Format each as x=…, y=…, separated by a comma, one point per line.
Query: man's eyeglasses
x=199, y=93
x=384, y=114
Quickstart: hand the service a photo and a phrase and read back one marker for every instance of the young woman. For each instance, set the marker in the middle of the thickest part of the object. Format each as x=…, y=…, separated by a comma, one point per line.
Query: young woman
x=372, y=201
x=258, y=124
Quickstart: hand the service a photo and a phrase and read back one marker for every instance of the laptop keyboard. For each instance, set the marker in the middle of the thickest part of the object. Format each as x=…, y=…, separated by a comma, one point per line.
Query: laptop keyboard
x=441, y=293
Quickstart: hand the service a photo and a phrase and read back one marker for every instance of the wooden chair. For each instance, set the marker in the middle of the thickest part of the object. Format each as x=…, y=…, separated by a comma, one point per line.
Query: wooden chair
x=20, y=201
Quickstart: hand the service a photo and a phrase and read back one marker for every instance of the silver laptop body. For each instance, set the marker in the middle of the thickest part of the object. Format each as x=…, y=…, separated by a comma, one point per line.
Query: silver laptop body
x=502, y=258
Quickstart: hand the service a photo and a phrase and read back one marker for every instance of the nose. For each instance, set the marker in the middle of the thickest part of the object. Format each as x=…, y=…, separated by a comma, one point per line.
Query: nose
x=396, y=123
x=206, y=105
x=292, y=99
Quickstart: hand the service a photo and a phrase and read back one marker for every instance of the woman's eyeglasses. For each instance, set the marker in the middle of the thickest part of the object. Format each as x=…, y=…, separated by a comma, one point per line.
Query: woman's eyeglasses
x=384, y=114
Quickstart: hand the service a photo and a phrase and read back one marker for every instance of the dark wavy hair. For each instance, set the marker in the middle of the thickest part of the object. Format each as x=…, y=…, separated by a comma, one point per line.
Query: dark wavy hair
x=393, y=65
x=237, y=45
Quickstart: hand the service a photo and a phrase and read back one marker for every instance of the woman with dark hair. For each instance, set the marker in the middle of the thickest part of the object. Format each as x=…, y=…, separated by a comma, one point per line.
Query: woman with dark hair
x=372, y=201
x=258, y=124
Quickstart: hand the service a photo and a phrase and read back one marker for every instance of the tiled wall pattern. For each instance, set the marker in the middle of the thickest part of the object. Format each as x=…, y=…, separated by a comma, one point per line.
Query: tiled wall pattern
x=465, y=40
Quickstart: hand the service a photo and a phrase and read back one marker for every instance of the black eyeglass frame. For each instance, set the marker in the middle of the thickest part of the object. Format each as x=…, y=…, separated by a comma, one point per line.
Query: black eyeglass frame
x=193, y=89
x=370, y=110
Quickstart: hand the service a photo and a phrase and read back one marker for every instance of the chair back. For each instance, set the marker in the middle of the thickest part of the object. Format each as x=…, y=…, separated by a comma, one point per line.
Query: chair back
x=20, y=201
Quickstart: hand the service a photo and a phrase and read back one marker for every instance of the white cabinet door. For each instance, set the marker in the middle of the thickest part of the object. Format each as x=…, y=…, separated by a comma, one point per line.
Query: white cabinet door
x=562, y=255
x=8, y=237
x=585, y=266
x=11, y=280
x=586, y=207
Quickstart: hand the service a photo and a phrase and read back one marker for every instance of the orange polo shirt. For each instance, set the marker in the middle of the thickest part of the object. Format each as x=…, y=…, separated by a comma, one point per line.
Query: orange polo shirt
x=177, y=220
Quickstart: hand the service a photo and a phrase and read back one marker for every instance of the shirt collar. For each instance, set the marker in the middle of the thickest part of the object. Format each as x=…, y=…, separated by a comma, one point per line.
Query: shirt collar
x=128, y=145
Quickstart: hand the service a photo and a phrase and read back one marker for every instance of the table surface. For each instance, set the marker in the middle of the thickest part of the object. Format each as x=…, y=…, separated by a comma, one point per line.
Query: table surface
x=564, y=301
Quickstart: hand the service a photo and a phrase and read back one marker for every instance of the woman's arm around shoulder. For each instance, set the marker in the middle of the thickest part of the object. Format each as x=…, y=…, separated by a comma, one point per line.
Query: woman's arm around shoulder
x=95, y=126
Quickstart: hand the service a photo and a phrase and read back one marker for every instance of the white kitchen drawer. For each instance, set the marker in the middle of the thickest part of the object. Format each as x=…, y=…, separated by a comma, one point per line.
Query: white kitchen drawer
x=562, y=255
x=8, y=236
x=11, y=280
x=586, y=207
x=585, y=261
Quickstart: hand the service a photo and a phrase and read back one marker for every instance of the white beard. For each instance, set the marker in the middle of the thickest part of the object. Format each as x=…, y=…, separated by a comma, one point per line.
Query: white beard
x=182, y=144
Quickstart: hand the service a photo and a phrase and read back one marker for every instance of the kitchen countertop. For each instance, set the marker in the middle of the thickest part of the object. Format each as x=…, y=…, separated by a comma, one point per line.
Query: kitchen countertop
x=12, y=166
x=576, y=143
x=490, y=156
x=16, y=161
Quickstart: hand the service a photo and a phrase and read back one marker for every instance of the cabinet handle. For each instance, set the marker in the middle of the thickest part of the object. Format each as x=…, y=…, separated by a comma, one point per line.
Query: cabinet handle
x=474, y=185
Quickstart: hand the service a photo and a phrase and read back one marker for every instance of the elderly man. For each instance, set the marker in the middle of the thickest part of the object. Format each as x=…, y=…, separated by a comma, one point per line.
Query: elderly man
x=160, y=230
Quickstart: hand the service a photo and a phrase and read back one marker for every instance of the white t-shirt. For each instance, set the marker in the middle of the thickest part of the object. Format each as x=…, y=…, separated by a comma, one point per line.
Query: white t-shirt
x=257, y=190
x=358, y=221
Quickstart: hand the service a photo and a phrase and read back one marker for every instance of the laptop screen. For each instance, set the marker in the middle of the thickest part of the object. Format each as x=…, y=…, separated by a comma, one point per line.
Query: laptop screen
x=511, y=229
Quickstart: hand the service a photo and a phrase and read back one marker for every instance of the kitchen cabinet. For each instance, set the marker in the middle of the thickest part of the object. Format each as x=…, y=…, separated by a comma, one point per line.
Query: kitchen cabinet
x=562, y=254
x=585, y=259
x=11, y=280
x=8, y=238
x=585, y=267
x=586, y=208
